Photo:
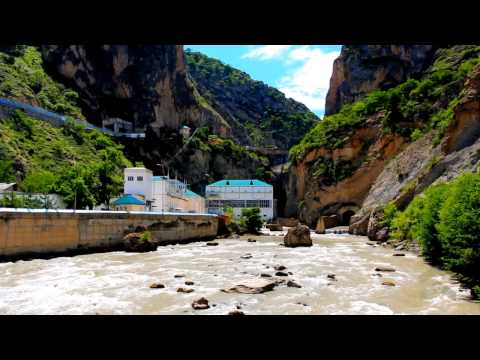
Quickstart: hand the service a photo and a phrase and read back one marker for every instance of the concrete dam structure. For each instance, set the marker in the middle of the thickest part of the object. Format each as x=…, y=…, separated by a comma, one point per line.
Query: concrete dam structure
x=37, y=232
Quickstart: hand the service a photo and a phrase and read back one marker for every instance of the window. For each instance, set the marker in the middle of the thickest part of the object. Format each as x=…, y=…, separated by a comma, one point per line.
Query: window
x=130, y=178
x=139, y=178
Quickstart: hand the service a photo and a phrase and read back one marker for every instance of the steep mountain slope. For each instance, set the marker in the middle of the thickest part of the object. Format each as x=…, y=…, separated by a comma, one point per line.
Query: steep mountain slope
x=85, y=166
x=258, y=114
x=345, y=162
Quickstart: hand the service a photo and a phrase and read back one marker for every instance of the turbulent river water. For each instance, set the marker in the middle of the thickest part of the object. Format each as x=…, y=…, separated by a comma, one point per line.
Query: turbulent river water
x=118, y=282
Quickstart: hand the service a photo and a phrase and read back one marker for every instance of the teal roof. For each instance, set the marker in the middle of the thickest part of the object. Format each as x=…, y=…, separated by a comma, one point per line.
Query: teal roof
x=251, y=182
x=128, y=200
x=190, y=193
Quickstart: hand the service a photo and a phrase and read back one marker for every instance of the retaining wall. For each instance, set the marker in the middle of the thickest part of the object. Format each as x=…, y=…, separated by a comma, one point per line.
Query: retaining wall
x=30, y=232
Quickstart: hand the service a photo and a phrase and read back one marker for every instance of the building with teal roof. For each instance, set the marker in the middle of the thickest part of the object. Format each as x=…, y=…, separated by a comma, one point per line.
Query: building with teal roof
x=129, y=202
x=239, y=194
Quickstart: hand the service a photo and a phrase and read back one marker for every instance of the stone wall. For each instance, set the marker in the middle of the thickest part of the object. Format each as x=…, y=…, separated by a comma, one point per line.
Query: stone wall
x=30, y=232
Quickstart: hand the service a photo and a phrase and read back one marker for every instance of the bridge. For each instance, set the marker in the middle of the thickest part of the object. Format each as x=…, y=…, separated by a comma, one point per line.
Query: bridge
x=60, y=120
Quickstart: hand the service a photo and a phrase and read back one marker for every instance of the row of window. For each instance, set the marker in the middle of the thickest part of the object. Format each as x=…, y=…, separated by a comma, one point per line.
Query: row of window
x=263, y=204
x=131, y=178
x=238, y=189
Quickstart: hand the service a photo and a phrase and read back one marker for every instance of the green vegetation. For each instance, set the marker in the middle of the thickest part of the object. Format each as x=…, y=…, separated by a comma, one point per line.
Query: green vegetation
x=146, y=236
x=251, y=220
x=264, y=112
x=22, y=77
x=445, y=220
x=409, y=109
x=206, y=141
x=84, y=166
x=330, y=171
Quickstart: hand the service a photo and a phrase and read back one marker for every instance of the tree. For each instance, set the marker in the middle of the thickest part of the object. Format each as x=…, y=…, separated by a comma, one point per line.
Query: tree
x=42, y=181
x=76, y=185
x=110, y=179
x=251, y=220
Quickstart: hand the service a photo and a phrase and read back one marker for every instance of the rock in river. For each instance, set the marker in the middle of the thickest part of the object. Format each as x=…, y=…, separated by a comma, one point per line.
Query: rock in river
x=252, y=286
x=200, y=304
x=184, y=290
x=212, y=243
x=281, y=273
x=298, y=236
x=291, y=283
x=388, y=283
x=331, y=277
x=252, y=240
x=398, y=254
x=188, y=282
x=137, y=242
x=279, y=267
x=236, y=312
x=157, y=286
x=384, y=268
x=179, y=276
x=265, y=275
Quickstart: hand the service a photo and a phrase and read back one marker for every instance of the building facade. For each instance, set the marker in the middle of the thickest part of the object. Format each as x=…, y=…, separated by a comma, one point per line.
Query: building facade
x=240, y=194
x=161, y=193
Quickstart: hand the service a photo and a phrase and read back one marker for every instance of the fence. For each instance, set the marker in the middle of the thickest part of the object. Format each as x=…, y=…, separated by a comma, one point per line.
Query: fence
x=60, y=120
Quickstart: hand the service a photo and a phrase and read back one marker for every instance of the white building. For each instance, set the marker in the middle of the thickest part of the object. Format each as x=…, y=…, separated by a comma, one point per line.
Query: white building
x=239, y=194
x=161, y=193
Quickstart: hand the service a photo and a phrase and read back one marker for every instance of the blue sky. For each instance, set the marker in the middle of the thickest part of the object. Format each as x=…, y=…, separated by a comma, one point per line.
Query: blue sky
x=301, y=72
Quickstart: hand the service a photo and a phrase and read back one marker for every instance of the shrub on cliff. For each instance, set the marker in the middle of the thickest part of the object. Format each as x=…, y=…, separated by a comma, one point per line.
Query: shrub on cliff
x=251, y=220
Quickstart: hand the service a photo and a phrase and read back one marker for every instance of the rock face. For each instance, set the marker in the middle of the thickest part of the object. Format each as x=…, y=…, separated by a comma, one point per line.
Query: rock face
x=274, y=227
x=298, y=236
x=362, y=68
x=310, y=196
x=135, y=243
x=144, y=84
x=320, y=228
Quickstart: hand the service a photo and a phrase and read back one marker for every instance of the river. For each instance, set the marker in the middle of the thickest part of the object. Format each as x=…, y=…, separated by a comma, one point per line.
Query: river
x=118, y=282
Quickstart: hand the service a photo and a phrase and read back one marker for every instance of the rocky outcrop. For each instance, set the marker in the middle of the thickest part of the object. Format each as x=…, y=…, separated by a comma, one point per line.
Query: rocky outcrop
x=367, y=152
x=137, y=242
x=298, y=236
x=252, y=286
x=362, y=68
x=145, y=84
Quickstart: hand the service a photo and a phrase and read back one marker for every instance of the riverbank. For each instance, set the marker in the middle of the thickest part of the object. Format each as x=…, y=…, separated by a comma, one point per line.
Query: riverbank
x=119, y=282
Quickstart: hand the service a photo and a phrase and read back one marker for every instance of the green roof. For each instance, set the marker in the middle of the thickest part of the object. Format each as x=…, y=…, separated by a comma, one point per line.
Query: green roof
x=128, y=200
x=190, y=193
x=252, y=182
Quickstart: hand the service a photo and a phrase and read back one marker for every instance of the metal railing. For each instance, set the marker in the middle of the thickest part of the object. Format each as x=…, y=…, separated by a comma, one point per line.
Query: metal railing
x=60, y=120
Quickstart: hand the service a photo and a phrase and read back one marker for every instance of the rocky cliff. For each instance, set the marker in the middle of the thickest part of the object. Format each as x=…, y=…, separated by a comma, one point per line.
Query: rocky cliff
x=391, y=144
x=147, y=85
x=362, y=68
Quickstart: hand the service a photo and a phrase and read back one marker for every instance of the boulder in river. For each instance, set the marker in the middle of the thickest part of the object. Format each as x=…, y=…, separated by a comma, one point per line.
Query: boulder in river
x=200, y=304
x=184, y=290
x=291, y=283
x=384, y=268
x=382, y=234
x=252, y=286
x=388, y=283
x=281, y=273
x=138, y=242
x=188, y=282
x=398, y=254
x=320, y=228
x=246, y=256
x=252, y=240
x=236, y=312
x=178, y=275
x=279, y=267
x=265, y=275
x=298, y=236
x=331, y=277
x=212, y=243
x=274, y=227
x=157, y=286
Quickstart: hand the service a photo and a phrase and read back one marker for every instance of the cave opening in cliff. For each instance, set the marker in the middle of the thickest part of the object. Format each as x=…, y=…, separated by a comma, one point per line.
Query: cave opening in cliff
x=346, y=216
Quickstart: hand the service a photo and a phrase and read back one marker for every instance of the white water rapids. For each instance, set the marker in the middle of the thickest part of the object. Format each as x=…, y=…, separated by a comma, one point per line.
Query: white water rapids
x=118, y=282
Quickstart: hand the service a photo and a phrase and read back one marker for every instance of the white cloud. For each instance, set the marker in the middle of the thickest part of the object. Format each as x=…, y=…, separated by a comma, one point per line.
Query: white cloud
x=308, y=83
x=266, y=52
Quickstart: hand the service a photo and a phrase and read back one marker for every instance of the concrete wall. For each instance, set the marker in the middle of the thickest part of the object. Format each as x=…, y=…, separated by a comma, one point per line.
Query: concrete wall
x=25, y=231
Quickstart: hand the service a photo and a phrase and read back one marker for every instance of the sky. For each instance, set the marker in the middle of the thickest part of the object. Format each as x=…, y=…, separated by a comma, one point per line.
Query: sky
x=301, y=72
